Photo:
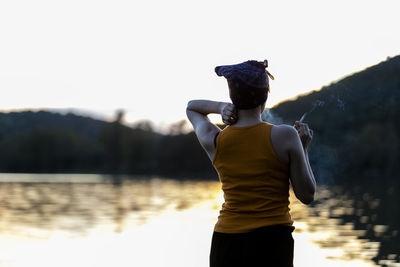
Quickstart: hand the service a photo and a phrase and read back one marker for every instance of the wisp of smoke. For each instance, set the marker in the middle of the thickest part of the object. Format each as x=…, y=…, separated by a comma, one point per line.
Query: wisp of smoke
x=339, y=103
x=317, y=103
x=268, y=116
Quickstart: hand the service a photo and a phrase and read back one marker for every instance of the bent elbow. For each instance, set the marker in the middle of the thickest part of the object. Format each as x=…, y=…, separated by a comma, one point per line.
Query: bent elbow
x=189, y=104
x=307, y=200
x=188, y=108
x=308, y=195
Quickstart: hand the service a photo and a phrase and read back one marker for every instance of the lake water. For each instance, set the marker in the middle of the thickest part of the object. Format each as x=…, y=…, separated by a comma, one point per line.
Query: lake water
x=88, y=220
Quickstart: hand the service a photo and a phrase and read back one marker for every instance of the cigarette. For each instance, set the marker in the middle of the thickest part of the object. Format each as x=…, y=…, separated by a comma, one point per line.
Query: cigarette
x=302, y=117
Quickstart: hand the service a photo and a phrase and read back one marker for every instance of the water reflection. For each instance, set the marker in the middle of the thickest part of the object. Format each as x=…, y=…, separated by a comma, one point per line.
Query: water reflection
x=354, y=223
x=78, y=207
x=159, y=222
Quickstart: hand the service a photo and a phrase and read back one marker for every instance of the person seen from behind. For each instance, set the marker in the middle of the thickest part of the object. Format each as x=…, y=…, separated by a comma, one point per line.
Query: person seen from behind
x=255, y=162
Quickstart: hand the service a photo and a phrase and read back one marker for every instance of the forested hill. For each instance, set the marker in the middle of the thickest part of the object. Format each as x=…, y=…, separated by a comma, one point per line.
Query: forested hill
x=48, y=142
x=356, y=124
x=16, y=123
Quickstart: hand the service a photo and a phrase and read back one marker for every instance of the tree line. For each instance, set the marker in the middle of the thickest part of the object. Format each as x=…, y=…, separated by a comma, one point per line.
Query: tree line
x=45, y=142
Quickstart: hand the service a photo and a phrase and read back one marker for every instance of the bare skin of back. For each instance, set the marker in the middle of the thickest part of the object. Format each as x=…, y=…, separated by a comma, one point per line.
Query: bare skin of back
x=290, y=143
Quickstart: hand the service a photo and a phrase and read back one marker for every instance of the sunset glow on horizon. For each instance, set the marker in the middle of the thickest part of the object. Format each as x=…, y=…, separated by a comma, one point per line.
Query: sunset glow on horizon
x=150, y=58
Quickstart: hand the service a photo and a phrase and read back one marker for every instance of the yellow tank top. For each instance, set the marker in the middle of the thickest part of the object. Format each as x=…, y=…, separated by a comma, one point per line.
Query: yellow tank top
x=254, y=180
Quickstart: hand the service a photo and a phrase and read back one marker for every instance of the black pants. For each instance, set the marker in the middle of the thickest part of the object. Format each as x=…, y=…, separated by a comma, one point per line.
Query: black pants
x=266, y=246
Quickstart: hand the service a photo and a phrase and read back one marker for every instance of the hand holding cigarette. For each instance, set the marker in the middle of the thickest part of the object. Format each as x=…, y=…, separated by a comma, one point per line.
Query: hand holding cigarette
x=304, y=132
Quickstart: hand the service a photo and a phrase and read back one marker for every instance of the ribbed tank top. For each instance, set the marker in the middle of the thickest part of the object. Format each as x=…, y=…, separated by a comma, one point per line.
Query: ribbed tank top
x=254, y=180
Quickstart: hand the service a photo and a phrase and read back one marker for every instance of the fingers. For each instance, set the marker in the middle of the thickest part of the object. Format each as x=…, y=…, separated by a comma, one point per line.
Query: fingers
x=229, y=119
x=297, y=125
x=229, y=114
x=305, y=133
x=300, y=125
x=303, y=129
x=230, y=110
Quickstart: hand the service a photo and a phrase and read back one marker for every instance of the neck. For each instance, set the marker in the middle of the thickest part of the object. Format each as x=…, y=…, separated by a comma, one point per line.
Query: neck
x=247, y=117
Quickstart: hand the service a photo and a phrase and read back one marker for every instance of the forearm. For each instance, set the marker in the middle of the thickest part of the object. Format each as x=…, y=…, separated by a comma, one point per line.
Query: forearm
x=206, y=107
x=311, y=174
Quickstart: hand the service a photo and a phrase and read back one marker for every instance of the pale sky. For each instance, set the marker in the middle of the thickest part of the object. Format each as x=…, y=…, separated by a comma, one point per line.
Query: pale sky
x=150, y=57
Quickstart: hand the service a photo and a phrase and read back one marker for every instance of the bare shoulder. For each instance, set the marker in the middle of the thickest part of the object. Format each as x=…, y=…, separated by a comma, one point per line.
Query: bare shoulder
x=283, y=132
x=282, y=137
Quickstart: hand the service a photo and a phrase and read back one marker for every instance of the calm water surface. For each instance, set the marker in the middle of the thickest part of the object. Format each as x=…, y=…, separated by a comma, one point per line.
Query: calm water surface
x=87, y=220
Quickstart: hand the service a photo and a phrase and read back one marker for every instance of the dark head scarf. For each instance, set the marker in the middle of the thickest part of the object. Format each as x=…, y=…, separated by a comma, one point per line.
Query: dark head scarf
x=248, y=83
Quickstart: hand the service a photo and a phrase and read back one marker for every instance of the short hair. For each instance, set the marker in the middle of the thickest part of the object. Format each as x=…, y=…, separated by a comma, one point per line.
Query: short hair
x=245, y=96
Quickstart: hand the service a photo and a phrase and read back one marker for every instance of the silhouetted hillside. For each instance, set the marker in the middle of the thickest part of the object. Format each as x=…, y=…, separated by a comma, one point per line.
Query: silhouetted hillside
x=356, y=123
x=18, y=122
x=50, y=142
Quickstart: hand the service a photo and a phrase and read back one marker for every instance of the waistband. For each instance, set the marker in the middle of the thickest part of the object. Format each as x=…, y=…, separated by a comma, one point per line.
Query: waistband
x=270, y=229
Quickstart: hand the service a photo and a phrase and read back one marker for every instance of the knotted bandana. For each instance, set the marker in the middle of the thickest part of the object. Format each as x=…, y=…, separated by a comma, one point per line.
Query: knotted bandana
x=248, y=82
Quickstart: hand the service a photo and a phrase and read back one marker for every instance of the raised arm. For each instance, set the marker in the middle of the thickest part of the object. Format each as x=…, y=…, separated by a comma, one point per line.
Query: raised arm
x=301, y=174
x=290, y=144
x=197, y=111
